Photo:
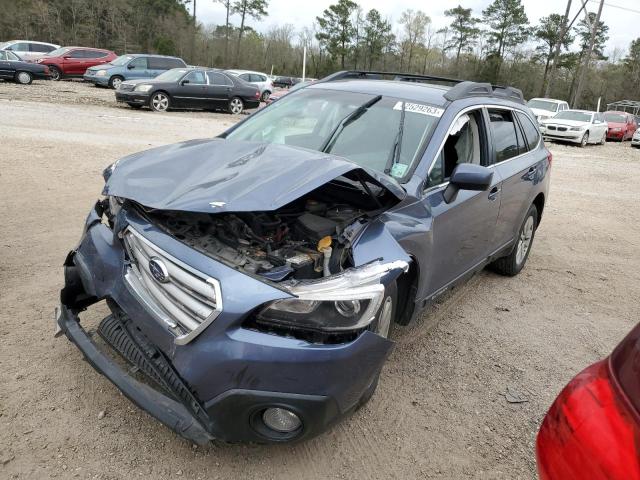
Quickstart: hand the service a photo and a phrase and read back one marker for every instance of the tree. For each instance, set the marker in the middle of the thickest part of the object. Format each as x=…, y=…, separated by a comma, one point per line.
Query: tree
x=548, y=34
x=583, y=31
x=509, y=27
x=464, y=30
x=376, y=35
x=336, y=29
x=632, y=61
x=227, y=5
x=415, y=26
x=255, y=9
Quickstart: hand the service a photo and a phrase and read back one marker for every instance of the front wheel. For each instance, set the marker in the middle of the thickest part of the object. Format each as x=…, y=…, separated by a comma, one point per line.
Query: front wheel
x=235, y=106
x=24, y=78
x=585, y=139
x=159, y=102
x=55, y=73
x=514, y=262
x=115, y=81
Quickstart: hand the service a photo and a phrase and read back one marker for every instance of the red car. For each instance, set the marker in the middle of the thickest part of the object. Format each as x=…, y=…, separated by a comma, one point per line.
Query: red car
x=622, y=125
x=592, y=430
x=74, y=61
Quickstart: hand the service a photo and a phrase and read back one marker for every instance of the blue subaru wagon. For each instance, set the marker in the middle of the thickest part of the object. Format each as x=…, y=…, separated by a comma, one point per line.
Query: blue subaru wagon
x=253, y=279
x=131, y=67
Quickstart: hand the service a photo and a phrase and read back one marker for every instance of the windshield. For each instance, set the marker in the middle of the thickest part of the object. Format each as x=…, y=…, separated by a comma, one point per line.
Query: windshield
x=379, y=137
x=121, y=60
x=58, y=52
x=543, y=105
x=573, y=115
x=11, y=55
x=615, y=118
x=172, y=75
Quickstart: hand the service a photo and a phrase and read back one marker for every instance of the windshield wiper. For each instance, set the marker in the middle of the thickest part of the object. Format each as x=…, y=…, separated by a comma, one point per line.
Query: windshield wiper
x=394, y=154
x=352, y=117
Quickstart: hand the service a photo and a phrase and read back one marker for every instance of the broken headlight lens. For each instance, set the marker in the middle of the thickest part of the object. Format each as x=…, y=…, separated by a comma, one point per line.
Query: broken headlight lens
x=344, y=302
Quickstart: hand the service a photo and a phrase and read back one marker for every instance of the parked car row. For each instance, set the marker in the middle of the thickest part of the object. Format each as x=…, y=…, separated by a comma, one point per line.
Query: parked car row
x=12, y=68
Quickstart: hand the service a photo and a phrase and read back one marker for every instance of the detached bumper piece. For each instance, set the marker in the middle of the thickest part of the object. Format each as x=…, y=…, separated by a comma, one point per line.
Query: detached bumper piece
x=162, y=407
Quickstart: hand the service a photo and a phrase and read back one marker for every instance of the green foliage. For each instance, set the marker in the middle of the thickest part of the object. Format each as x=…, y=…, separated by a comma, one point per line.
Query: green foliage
x=464, y=30
x=584, y=33
x=376, y=35
x=337, y=30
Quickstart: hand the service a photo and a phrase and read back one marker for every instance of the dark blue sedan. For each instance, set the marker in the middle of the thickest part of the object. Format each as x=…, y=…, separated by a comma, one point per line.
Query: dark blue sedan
x=255, y=277
x=13, y=68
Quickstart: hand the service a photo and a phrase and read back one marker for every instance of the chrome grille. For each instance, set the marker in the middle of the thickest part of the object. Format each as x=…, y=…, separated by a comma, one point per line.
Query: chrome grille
x=186, y=300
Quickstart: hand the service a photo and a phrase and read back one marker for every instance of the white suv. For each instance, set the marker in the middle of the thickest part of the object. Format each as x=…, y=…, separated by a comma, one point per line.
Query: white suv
x=544, y=108
x=28, y=50
x=260, y=80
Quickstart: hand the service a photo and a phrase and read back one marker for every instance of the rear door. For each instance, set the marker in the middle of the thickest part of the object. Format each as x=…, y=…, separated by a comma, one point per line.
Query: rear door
x=461, y=230
x=22, y=50
x=219, y=89
x=521, y=162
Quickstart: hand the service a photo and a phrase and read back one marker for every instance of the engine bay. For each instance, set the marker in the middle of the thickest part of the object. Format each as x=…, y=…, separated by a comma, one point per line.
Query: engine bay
x=308, y=239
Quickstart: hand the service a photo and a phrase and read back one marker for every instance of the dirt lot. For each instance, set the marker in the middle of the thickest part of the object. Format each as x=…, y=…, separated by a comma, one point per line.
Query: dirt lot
x=440, y=410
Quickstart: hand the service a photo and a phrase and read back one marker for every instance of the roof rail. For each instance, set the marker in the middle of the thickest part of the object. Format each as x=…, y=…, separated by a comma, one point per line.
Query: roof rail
x=475, y=89
x=460, y=89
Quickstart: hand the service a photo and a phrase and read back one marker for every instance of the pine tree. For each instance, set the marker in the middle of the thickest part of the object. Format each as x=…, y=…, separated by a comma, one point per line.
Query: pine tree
x=464, y=29
x=337, y=30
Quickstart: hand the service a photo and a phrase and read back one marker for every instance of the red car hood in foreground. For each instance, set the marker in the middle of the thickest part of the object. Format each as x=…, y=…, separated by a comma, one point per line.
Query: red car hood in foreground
x=592, y=430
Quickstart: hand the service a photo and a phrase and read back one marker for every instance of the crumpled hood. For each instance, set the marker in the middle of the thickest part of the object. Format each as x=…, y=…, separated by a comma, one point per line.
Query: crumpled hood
x=220, y=175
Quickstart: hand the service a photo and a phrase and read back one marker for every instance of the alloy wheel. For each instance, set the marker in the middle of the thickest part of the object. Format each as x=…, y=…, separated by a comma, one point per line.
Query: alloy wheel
x=585, y=140
x=24, y=78
x=235, y=106
x=524, y=241
x=160, y=102
x=55, y=74
x=115, y=83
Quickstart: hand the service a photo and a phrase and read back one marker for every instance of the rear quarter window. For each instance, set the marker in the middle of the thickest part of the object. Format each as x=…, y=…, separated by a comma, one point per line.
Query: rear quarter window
x=505, y=139
x=531, y=132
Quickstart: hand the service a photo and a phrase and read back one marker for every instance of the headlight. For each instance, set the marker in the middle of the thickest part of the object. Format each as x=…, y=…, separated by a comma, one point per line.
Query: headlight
x=576, y=129
x=142, y=88
x=115, y=204
x=101, y=73
x=344, y=302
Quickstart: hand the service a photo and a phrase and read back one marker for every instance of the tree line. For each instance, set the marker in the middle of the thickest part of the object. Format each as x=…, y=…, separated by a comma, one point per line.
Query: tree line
x=498, y=44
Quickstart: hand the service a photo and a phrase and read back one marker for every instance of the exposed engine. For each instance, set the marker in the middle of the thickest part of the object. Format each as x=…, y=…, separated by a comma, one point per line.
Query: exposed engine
x=304, y=240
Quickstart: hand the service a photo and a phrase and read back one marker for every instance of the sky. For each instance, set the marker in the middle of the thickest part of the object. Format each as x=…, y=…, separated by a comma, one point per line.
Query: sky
x=624, y=25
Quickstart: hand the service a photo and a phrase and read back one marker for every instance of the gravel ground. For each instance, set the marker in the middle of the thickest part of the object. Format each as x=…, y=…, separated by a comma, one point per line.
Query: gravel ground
x=441, y=409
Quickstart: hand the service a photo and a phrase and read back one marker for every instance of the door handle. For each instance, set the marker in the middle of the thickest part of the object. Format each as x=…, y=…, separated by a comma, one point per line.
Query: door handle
x=493, y=194
x=531, y=173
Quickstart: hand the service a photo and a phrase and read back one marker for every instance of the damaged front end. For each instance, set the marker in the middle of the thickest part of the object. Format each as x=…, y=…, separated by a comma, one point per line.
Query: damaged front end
x=241, y=318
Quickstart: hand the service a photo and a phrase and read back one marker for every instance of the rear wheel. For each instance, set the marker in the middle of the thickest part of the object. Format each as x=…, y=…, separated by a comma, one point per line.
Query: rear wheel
x=55, y=73
x=235, y=106
x=115, y=81
x=514, y=262
x=24, y=78
x=265, y=96
x=159, y=102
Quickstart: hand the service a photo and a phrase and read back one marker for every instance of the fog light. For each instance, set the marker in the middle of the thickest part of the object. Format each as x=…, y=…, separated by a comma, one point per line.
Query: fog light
x=281, y=420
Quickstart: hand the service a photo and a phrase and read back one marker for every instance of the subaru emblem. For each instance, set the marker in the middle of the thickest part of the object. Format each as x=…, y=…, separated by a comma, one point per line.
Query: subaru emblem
x=158, y=270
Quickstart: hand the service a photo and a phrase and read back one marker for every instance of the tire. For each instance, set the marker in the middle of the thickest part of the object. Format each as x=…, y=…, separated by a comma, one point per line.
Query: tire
x=55, y=73
x=115, y=81
x=265, y=96
x=24, y=78
x=585, y=140
x=236, y=106
x=135, y=106
x=384, y=329
x=160, y=102
x=513, y=263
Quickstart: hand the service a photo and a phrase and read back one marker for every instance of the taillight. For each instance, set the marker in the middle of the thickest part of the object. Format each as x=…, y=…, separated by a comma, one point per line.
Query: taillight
x=257, y=95
x=590, y=432
x=549, y=157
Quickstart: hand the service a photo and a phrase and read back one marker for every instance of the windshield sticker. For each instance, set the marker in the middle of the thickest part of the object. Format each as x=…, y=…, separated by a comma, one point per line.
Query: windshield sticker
x=398, y=170
x=420, y=108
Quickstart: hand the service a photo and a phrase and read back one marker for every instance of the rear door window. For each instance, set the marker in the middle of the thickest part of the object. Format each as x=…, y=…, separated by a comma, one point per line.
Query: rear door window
x=77, y=54
x=157, y=63
x=505, y=138
x=246, y=77
x=216, y=78
x=174, y=63
x=37, y=47
x=257, y=78
x=531, y=132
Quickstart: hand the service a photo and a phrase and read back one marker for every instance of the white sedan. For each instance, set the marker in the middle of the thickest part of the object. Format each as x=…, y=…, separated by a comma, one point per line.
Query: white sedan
x=576, y=126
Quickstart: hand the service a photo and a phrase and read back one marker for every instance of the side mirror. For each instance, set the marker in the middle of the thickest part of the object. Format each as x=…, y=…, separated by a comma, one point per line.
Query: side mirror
x=184, y=82
x=467, y=176
x=131, y=67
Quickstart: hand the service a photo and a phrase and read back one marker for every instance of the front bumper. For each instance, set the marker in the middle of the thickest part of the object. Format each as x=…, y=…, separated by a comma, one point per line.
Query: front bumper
x=234, y=373
x=567, y=136
x=102, y=81
x=137, y=98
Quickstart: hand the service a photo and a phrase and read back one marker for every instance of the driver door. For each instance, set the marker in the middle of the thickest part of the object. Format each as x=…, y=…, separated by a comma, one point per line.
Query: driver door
x=462, y=231
x=191, y=92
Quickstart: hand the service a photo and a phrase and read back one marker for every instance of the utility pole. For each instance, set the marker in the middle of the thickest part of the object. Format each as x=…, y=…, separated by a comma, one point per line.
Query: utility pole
x=193, y=40
x=556, y=51
x=587, y=60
